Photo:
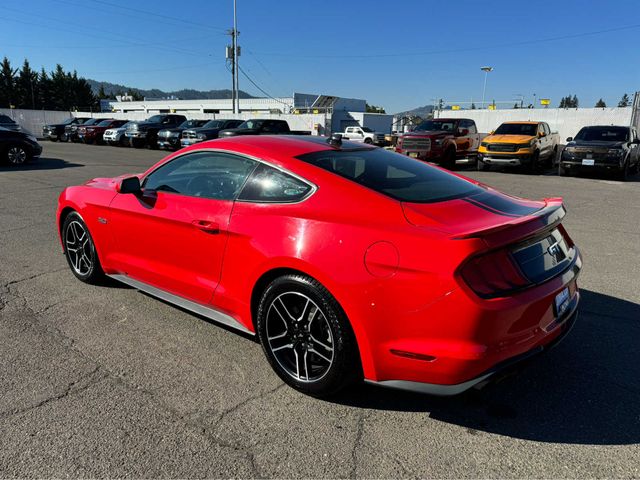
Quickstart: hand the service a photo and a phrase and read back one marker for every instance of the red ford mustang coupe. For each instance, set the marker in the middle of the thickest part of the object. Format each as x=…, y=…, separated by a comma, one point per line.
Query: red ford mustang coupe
x=347, y=261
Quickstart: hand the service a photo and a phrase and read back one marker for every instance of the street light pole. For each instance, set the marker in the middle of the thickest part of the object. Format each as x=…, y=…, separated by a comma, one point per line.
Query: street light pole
x=486, y=71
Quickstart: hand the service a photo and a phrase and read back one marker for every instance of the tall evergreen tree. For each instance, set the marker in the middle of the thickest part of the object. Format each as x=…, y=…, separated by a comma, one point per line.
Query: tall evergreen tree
x=26, y=85
x=624, y=101
x=43, y=95
x=7, y=84
x=601, y=104
x=574, y=102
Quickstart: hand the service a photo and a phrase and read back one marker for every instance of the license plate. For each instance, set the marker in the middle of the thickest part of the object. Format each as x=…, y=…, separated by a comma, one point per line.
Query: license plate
x=413, y=154
x=588, y=162
x=562, y=302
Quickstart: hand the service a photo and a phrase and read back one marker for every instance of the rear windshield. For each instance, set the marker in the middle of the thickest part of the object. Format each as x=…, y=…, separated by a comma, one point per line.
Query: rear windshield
x=603, y=134
x=392, y=174
x=529, y=129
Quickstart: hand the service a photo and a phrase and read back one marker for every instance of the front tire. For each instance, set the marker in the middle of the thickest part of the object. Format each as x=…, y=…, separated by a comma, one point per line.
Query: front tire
x=562, y=172
x=80, y=250
x=623, y=174
x=17, y=155
x=534, y=163
x=368, y=141
x=306, y=336
x=481, y=166
x=449, y=159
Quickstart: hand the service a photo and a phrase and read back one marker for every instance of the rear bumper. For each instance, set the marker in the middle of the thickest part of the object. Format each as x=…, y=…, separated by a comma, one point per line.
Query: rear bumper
x=459, y=340
x=563, y=327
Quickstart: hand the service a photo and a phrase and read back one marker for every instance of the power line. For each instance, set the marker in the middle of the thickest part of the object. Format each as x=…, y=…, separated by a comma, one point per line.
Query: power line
x=261, y=89
x=147, y=14
x=454, y=50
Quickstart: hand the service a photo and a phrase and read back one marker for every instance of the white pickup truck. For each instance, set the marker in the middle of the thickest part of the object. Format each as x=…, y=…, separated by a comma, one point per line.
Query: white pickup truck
x=363, y=134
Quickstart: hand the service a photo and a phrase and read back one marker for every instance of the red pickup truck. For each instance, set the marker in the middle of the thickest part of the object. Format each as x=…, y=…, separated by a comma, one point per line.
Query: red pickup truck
x=443, y=141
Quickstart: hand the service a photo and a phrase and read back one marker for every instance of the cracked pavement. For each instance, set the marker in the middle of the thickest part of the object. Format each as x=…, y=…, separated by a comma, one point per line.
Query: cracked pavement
x=108, y=382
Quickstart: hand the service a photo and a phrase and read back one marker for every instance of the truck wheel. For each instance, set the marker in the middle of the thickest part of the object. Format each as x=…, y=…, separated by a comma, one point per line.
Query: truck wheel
x=152, y=142
x=553, y=158
x=481, y=166
x=368, y=141
x=562, y=172
x=623, y=174
x=55, y=139
x=534, y=163
x=449, y=159
x=63, y=137
x=122, y=142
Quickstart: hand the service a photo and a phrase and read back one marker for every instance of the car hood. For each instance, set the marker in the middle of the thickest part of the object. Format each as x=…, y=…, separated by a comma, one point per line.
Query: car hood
x=144, y=125
x=426, y=133
x=508, y=138
x=232, y=132
x=203, y=130
x=583, y=144
x=109, y=183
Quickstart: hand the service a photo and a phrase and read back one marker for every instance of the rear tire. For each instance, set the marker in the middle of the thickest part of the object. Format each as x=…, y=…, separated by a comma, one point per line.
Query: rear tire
x=306, y=336
x=368, y=141
x=80, y=250
x=63, y=137
x=54, y=139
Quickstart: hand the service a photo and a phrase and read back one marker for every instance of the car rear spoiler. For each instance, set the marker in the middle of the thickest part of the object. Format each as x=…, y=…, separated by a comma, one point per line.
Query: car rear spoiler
x=546, y=218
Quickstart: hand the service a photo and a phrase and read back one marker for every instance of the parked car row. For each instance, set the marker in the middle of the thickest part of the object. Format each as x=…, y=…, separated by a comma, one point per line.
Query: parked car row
x=166, y=131
x=532, y=145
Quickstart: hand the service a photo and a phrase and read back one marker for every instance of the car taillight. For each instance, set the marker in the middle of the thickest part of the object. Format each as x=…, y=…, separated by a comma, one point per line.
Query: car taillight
x=493, y=274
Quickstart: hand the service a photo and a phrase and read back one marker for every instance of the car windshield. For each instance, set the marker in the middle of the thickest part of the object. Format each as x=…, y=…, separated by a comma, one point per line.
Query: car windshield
x=92, y=121
x=392, y=174
x=191, y=123
x=155, y=119
x=251, y=124
x=105, y=123
x=603, y=134
x=213, y=124
x=528, y=129
x=69, y=121
x=367, y=129
x=437, y=125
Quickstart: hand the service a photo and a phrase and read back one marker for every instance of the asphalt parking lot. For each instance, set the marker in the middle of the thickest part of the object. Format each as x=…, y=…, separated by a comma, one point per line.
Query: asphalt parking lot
x=106, y=381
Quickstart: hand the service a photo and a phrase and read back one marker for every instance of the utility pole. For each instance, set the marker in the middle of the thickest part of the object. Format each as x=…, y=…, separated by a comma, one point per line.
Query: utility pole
x=232, y=54
x=236, y=54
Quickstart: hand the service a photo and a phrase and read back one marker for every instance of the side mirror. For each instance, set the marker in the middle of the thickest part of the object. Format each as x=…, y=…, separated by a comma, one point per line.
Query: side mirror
x=636, y=141
x=129, y=185
x=492, y=132
x=541, y=134
x=569, y=139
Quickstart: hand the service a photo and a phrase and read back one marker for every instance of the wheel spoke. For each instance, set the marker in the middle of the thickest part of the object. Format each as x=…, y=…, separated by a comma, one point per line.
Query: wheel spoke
x=288, y=345
x=304, y=361
x=313, y=350
x=284, y=307
x=318, y=342
x=284, y=320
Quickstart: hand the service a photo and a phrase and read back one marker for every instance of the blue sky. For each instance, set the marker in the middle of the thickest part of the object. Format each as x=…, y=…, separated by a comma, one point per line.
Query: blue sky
x=396, y=54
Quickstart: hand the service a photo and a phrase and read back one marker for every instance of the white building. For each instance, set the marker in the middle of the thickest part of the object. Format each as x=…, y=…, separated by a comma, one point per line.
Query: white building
x=333, y=113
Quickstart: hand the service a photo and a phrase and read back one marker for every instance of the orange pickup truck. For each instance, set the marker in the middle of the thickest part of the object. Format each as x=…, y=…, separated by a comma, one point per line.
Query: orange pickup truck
x=530, y=144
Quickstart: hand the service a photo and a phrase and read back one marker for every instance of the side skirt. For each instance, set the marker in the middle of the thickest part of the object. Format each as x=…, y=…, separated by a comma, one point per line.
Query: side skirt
x=205, y=311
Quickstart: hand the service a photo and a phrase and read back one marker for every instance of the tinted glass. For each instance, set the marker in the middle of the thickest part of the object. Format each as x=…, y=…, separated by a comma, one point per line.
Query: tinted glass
x=367, y=129
x=92, y=121
x=214, y=124
x=529, y=129
x=603, y=134
x=268, y=184
x=155, y=119
x=204, y=174
x=437, y=125
x=5, y=119
x=104, y=123
x=251, y=124
x=392, y=174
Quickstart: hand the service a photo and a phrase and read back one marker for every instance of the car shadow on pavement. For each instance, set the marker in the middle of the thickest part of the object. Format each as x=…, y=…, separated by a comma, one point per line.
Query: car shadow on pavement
x=43, y=163
x=584, y=391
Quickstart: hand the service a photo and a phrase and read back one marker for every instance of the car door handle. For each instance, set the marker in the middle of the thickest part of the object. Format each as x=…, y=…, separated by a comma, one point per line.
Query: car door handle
x=206, y=226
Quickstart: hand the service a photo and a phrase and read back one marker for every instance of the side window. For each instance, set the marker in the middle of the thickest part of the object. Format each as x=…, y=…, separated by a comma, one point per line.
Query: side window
x=212, y=175
x=547, y=130
x=268, y=184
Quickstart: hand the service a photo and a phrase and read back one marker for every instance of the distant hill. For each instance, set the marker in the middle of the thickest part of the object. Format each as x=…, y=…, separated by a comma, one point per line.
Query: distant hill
x=113, y=89
x=419, y=111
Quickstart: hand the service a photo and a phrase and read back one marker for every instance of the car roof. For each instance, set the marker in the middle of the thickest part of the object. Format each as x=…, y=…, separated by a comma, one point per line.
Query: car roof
x=288, y=145
x=522, y=123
